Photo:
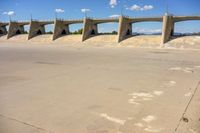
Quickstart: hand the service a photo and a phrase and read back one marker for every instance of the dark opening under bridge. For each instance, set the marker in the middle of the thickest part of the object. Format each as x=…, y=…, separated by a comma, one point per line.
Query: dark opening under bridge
x=90, y=26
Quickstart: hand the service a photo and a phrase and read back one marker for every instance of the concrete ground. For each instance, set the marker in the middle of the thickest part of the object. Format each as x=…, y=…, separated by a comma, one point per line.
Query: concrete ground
x=87, y=89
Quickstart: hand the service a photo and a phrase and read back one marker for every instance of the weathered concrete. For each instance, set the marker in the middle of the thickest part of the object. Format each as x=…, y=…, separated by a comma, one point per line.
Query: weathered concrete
x=185, y=18
x=168, y=28
x=91, y=28
x=125, y=28
x=76, y=89
x=16, y=28
x=168, y=25
x=125, y=25
x=62, y=27
x=38, y=28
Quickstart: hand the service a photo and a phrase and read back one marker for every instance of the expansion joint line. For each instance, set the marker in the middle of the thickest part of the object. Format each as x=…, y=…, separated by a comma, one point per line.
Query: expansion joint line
x=25, y=123
x=198, y=84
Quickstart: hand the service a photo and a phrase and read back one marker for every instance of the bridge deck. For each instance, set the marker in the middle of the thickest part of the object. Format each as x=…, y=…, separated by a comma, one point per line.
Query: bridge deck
x=106, y=20
x=72, y=21
x=3, y=24
x=44, y=22
x=135, y=20
x=185, y=18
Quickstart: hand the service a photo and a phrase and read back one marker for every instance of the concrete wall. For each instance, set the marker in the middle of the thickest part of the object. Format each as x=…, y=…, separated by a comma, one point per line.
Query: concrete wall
x=35, y=27
x=125, y=28
x=89, y=28
x=168, y=28
x=15, y=27
x=60, y=27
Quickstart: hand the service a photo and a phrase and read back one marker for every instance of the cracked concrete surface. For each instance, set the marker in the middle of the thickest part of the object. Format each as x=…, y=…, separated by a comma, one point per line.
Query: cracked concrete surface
x=86, y=89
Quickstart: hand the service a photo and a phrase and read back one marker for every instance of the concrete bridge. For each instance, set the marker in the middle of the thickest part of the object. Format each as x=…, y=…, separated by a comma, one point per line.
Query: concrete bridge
x=126, y=23
x=38, y=28
x=62, y=27
x=16, y=28
x=169, y=23
x=90, y=26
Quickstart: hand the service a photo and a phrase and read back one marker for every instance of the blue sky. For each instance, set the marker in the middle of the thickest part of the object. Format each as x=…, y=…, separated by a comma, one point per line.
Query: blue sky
x=72, y=9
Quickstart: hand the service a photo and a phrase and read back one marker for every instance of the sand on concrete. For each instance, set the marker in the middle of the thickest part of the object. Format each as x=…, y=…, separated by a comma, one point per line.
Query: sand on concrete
x=191, y=42
x=140, y=41
x=148, y=41
x=45, y=38
x=88, y=89
x=69, y=39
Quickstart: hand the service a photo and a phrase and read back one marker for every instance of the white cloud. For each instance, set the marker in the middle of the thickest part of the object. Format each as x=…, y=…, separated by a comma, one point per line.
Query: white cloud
x=114, y=16
x=9, y=13
x=148, y=31
x=135, y=8
x=113, y=3
x=85, y=10
x=59, y=10
x=140, y=8
x=148, y=7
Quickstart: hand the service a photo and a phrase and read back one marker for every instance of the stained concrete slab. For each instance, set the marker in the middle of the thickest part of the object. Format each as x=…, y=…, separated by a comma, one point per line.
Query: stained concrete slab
x=86, y=89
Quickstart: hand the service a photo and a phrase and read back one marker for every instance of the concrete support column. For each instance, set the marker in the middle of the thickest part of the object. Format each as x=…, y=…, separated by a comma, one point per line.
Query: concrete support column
x=125, y=28
x=168, y=28
x=90, y=28
x=36, y=28
x=14, y=29
x=3, y=30
x=60, y=29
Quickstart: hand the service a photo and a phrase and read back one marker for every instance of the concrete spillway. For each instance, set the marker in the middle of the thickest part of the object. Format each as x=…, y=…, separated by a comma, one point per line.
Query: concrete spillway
x=145, y=41
x=69, y=39
x=45, y=38
x=142, y=40
x=185, y=42
x=19, y=38
x=102, y=39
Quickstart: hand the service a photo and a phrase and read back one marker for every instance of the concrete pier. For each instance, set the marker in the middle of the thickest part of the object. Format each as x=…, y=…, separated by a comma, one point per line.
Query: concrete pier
x=16, y=28
x=38, y=28
x=125, y=28
x=90, y=28
x=62, y=27
x=168, y=28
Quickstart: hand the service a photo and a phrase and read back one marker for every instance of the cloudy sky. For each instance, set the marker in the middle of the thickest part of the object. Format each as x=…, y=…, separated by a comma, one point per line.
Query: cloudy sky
x=72, y=9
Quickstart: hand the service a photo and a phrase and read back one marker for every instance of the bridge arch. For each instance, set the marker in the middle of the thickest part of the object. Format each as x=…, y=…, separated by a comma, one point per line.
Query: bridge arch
x=76, y=28
x=127, y=27
x=93, y=26
x=147, y=28
x=107, y=28
x=186, y=27
x=67, y=27
x=48, y=28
